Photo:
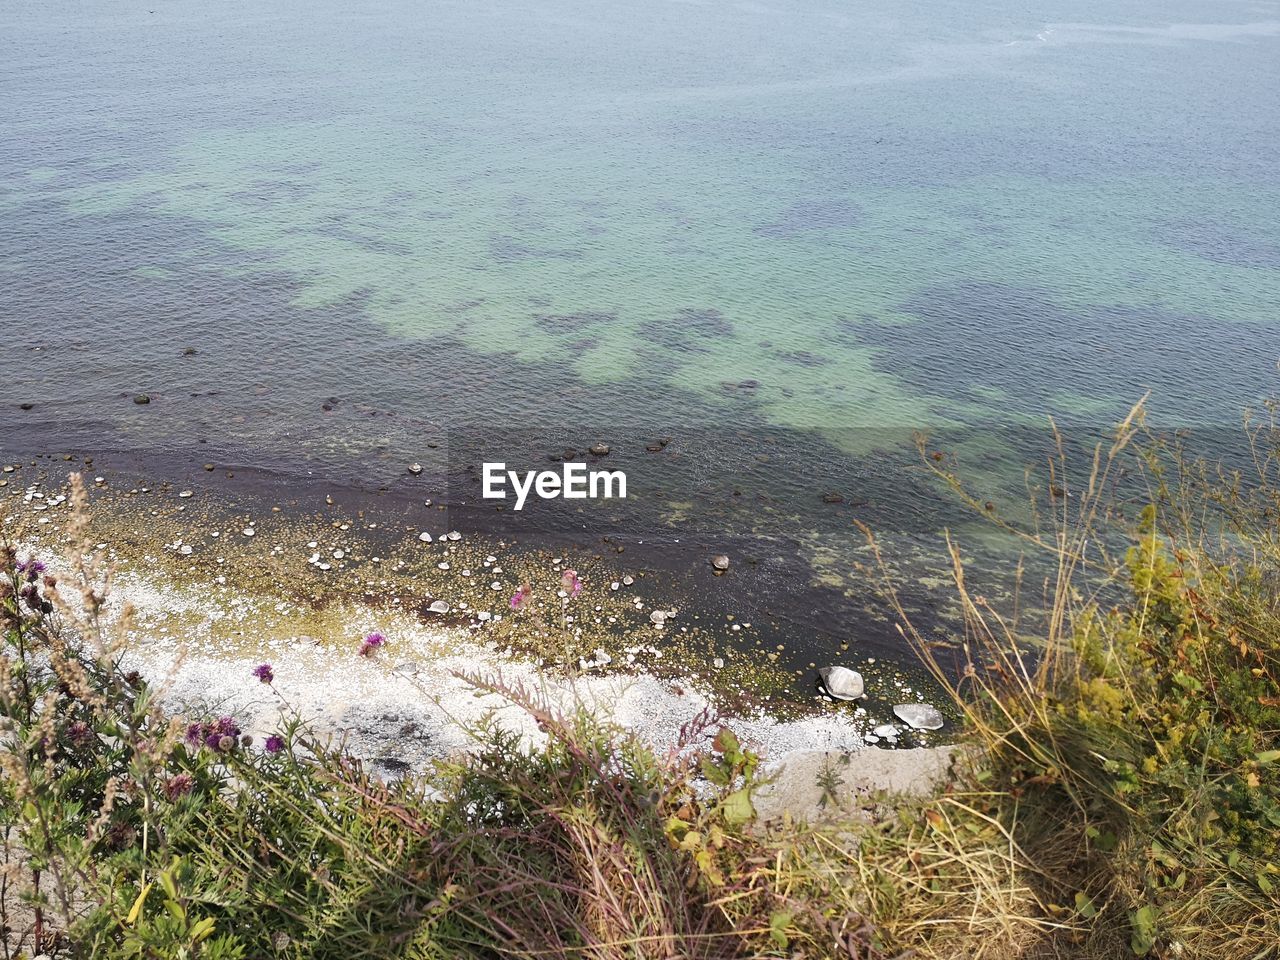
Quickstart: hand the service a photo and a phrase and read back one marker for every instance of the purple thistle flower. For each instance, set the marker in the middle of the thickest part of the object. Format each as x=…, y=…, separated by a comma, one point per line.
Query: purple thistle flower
x=79, y=732
x=275, y=743
x=220, y=736
x=263, y=673
x=31, y=567
x=371, y=643
x=227, y=727
x=178, y=786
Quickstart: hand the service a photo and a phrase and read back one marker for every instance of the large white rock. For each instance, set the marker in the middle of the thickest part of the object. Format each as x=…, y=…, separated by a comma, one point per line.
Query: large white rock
x=842, y=683
x=918, y=716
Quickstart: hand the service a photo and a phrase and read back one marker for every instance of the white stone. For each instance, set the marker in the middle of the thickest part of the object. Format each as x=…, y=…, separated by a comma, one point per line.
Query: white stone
x=842, y=683
x=424, y=537
x=918, y=716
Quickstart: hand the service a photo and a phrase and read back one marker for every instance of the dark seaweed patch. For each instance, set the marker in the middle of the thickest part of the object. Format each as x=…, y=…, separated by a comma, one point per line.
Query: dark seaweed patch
x=811, y=215
x=802, y=358
x=509, y=250
x=1221, y=243
x=974, y=337
x=572, y=322
x=689, y=329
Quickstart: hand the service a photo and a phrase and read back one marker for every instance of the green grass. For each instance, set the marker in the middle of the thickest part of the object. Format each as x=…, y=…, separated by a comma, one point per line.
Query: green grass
x=1117, y=794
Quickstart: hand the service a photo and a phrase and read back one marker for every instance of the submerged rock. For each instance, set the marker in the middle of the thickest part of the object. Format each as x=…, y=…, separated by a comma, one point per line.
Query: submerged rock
x=720, y=562
x=842, y=683
x=600, y=450
x=918, y=716
x=415, y=468
x=438, y=606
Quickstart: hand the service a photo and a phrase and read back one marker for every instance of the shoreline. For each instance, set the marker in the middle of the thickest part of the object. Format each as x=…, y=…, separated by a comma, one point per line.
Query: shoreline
x=212, y=601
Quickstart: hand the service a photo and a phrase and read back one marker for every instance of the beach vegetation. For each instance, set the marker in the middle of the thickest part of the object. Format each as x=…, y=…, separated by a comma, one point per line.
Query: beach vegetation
x=1116, y=792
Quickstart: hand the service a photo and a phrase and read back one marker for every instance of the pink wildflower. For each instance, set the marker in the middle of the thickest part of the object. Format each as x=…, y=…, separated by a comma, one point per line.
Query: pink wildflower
x=570, y=581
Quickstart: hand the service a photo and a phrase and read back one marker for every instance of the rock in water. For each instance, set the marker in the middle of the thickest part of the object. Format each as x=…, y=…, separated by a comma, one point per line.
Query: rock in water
x=438, y=606
x=720, y=562
x=842, y=683
x=600, y=450
x=918, y=716
x=415, y=468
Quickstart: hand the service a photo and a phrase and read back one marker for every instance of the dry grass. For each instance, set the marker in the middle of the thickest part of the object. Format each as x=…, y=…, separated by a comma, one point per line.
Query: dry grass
x=1118, y=794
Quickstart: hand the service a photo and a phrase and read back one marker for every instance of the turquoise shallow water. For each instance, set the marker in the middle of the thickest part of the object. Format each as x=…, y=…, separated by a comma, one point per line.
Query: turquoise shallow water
x=783, y=233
